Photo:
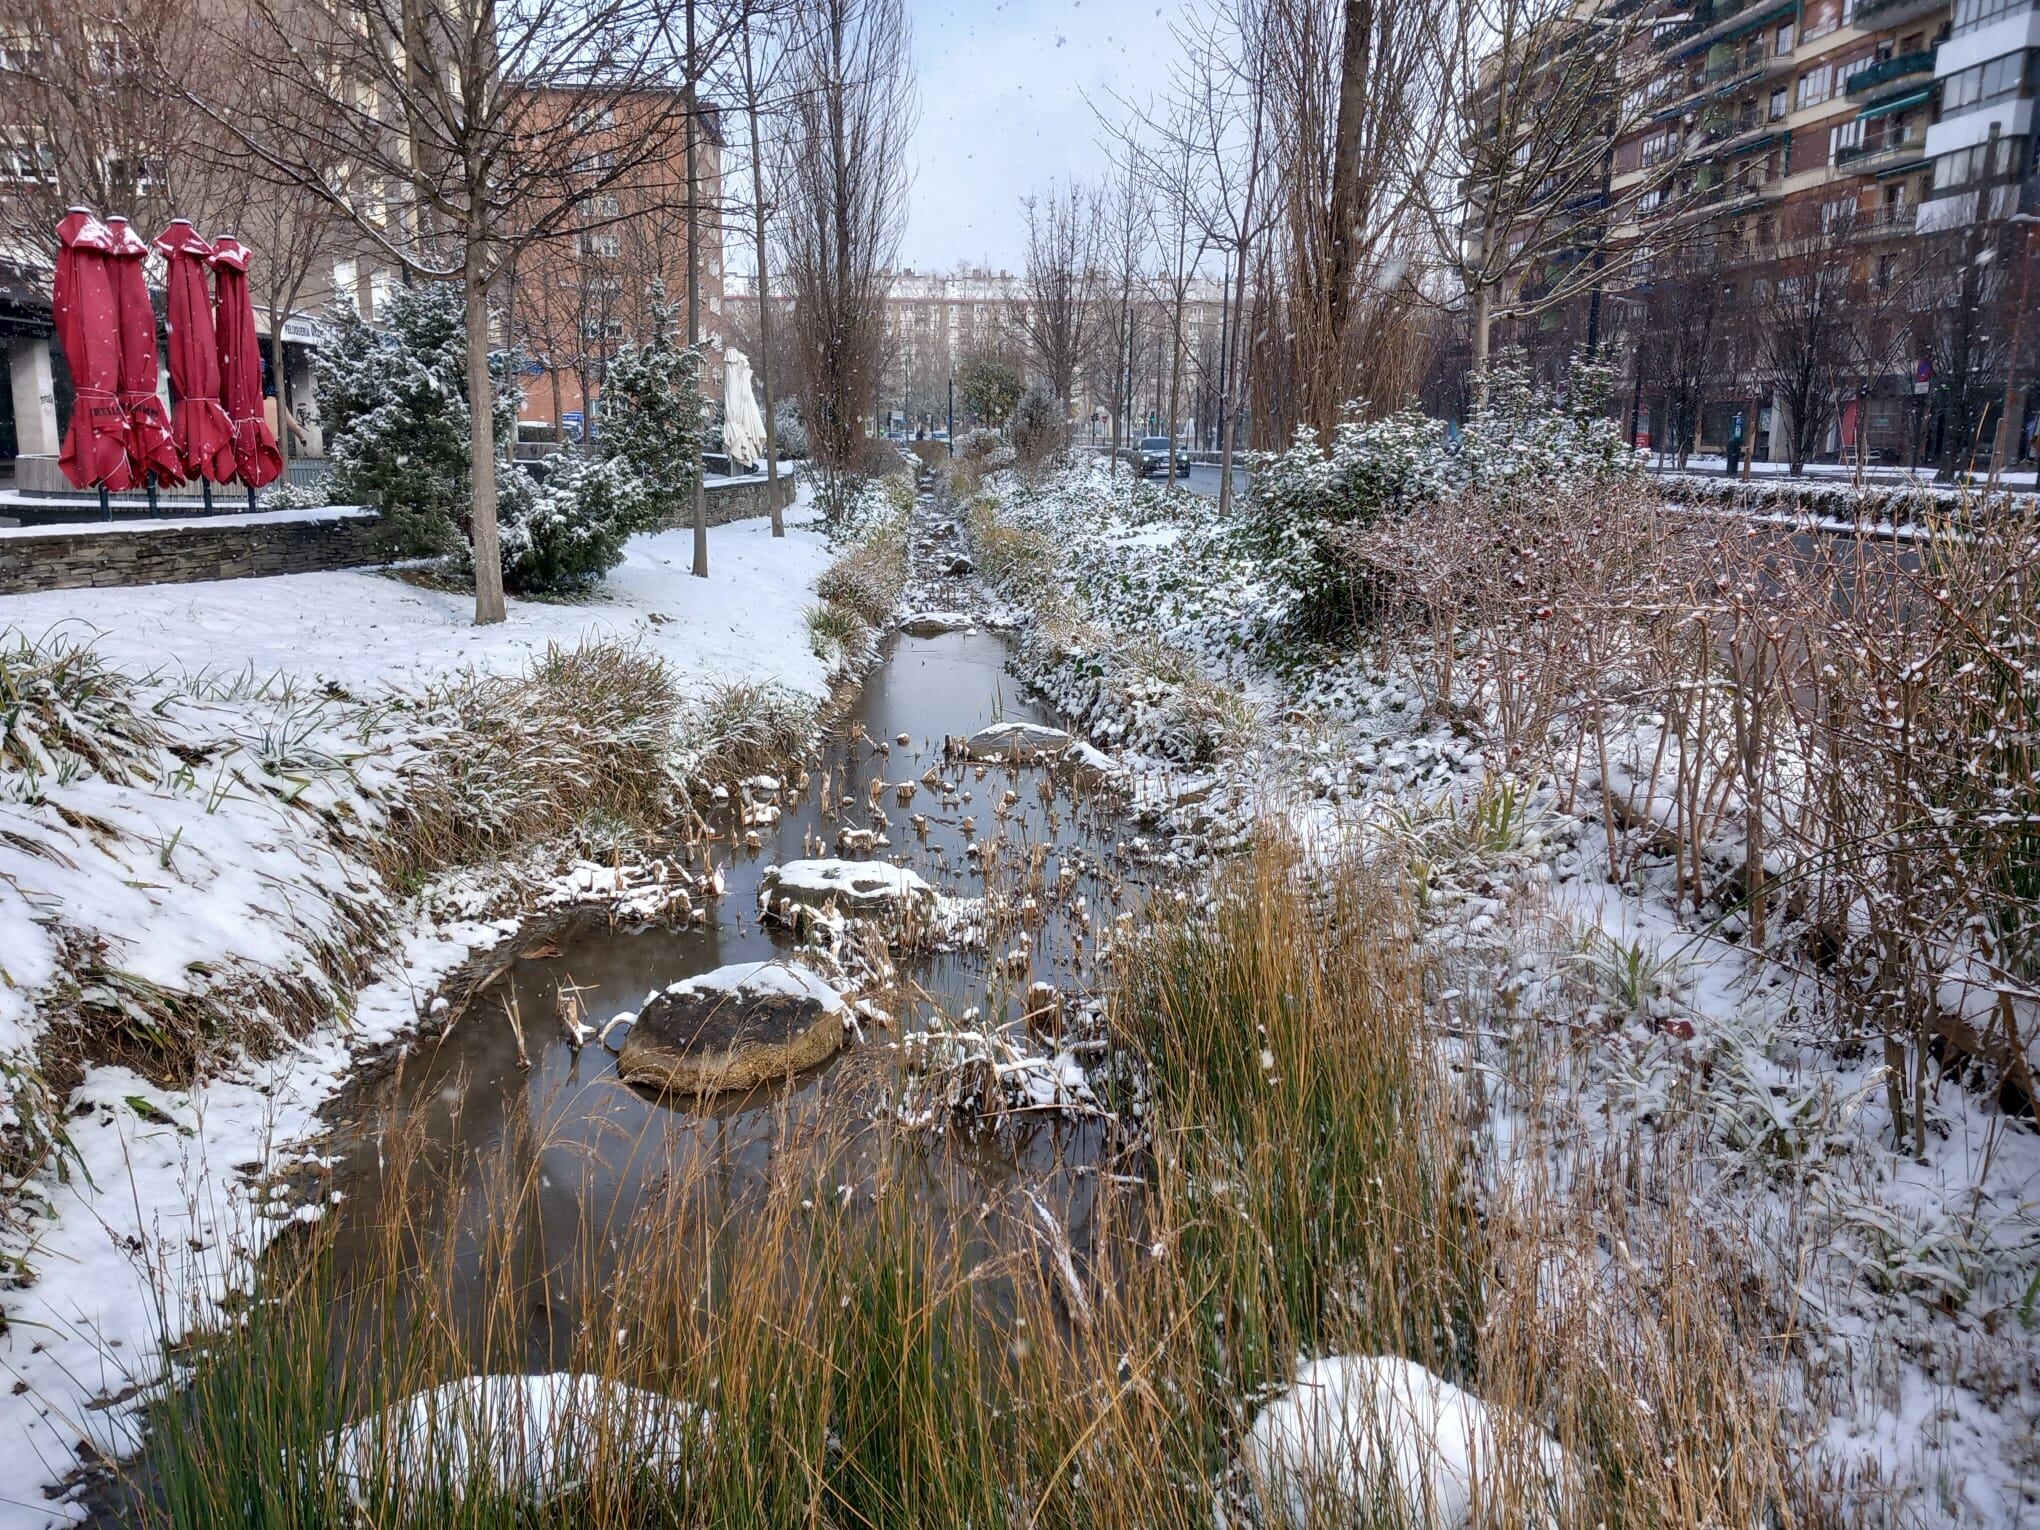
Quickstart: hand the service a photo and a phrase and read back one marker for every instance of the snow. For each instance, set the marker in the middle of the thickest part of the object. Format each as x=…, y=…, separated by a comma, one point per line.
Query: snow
x=531, y=1436
x=369, y=632
x=299, y=697
x=125, y=522
x=855, y=882
x=1355, y=1430
x=1905, y=1278
x=776, y=979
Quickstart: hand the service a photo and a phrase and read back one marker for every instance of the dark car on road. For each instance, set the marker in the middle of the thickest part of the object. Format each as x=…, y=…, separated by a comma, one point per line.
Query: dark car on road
x=1151, y=456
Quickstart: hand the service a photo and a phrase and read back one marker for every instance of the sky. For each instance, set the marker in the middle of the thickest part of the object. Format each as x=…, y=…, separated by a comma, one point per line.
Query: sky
x=1004, y=87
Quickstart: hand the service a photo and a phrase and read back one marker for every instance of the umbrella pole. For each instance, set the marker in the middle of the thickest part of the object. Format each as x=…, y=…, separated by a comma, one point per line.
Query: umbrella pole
x=151, y=480
x=251, y=500
x=105, y=506
x=205, y=488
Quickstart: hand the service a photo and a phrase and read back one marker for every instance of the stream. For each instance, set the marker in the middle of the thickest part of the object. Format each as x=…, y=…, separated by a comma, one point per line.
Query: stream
x=486, y=1105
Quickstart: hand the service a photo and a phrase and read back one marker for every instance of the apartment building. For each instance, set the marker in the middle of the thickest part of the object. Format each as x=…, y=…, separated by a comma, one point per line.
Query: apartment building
x=1785, y=139
x=574, y=302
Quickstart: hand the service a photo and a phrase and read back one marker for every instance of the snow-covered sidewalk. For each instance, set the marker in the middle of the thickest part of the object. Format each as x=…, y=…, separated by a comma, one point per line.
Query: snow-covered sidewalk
x=235, y=851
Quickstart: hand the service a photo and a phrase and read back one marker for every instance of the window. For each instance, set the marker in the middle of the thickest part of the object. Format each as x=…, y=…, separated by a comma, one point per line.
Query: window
x=593, y=119
x=1816, y=85
x=1778, y=99
x=27, y=158
x=1661, y=145
x=1822, y=17
x=1997, y=157
x=1837, y=214
x=1784, y=38
x=1848, y=136
x=608, y=246
x=1980, y=84
x=1971, y=14
x=609, y=207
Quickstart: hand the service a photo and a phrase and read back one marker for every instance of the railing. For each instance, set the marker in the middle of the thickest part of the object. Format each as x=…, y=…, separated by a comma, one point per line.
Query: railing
x=1860, y=154
x=1896, y=68
x=1872, y=14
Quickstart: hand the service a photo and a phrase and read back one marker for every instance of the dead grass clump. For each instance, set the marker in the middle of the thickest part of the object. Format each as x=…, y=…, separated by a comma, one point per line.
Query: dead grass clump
x=63, y=713
x=588, y=733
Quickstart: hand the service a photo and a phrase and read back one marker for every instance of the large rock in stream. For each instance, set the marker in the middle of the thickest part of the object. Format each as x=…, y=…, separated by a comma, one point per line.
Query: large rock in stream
x=733, y=1028
x=1016, y=743
x=806, y=894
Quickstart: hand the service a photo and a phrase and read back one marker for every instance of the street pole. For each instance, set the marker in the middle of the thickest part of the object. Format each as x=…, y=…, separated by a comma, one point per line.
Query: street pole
x=952, y=417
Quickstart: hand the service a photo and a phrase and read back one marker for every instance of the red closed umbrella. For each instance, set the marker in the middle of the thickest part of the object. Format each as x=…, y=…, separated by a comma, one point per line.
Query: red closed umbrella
x=95, y=444
x=255, y=453
x=150, y=444
x=205, y=441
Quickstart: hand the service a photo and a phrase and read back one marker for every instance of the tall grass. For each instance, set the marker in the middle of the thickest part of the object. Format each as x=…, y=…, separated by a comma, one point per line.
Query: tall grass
x=890, y=1338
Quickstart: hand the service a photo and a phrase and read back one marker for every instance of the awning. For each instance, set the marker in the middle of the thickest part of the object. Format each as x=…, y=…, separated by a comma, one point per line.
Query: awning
x=1886, y=108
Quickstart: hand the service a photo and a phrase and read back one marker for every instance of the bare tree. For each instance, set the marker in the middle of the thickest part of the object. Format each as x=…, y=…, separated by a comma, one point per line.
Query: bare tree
x=758, y=63
x=481, y=129
x=1125, y=240
x=1221, y=105
x=843, y=187
x=1054, y=313
x=1808, y=306
x=1680, y=344
x=1355, y=90
x=85, y=124
x=1524, y=208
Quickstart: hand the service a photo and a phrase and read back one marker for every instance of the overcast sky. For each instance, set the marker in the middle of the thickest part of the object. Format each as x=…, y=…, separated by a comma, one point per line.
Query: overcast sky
x=1003, y=88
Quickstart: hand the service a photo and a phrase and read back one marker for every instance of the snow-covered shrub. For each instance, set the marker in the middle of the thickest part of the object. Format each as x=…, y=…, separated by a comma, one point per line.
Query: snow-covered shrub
x=655, y=420
x=566, y=533
x=789, y=434
x=395, y=395
x=1307, y=502
x=1036, y=426
x=285, y=495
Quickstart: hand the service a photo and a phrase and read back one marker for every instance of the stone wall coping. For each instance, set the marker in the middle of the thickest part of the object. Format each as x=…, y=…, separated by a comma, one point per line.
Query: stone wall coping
x=125, y=523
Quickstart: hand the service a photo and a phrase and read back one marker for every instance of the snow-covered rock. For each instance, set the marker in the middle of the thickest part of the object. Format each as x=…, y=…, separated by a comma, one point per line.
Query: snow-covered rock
x=733, y=1028
x=1374, y=1433
x=789, y=894
x=1016, y=743
x=933, y=623
x=529, y=1436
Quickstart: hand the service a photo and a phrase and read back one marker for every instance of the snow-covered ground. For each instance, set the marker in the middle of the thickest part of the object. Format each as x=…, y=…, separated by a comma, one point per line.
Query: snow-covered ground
x=235, y=858
x=1591, y=1015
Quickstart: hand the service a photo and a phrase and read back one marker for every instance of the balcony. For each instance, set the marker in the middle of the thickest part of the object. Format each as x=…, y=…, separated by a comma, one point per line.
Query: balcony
x=1874, y=15
x=1867, y=84
x=1876, y=158
x=1724, y=24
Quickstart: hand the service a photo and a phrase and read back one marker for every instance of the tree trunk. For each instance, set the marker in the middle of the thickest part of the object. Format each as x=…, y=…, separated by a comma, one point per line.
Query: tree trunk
x=482, y=450
x=700, y=569
x=764, y=303
x=1483, y=326
x=1175, y=380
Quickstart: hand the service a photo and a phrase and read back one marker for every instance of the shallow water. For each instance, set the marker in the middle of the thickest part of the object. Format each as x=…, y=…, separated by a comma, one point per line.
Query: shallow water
x=596, y=1147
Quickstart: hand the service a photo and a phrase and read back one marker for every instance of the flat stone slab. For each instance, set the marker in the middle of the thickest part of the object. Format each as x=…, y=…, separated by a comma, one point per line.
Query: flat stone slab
x=1016, y=743
x=854, y=889
x=733, y=1028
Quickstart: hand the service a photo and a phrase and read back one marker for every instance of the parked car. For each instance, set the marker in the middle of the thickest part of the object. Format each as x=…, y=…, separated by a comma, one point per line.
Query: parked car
x=1151, y=456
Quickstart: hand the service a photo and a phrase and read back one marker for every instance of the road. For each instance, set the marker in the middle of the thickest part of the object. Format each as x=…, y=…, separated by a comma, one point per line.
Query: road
x=1204, y=478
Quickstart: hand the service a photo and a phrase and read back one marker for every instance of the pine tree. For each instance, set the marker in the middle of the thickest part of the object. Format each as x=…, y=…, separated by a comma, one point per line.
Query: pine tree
x=394, y=394
x=653, y=416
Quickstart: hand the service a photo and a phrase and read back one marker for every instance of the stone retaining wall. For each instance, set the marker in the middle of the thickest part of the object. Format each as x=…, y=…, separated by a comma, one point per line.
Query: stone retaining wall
x=79, y=556
x=737, y=499
x=69, y=558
